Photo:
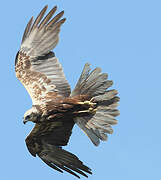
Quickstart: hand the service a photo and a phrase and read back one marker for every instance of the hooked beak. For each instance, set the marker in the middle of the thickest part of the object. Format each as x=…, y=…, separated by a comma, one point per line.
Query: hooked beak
x=25, y=121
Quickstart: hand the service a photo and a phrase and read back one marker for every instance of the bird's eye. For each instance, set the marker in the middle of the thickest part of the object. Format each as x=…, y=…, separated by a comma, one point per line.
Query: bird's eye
x=27, y=117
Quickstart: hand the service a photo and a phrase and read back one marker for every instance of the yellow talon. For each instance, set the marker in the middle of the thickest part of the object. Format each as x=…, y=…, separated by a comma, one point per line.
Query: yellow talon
x=87, y=103
x=91, y=108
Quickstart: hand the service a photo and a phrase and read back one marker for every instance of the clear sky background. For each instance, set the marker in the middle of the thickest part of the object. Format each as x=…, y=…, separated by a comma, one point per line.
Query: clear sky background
x=124, y=38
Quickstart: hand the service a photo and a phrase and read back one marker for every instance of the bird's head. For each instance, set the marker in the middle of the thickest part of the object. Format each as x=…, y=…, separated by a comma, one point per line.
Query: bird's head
x=31, y=115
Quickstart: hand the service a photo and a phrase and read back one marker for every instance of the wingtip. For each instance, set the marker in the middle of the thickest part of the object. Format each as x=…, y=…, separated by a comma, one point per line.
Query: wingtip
x=60, y=14
x=63, y=20
x=32, y=18
x=45, y=7
x=55, y=8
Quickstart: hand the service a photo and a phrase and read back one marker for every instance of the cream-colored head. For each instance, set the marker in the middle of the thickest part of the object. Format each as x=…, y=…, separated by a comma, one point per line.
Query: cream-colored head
x=31, y=115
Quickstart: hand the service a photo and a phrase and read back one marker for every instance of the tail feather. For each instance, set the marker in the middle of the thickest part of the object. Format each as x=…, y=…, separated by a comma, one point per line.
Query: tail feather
x=95, y=85
x=82, y=78
x=106, y=96
x=91, y=87
x=81, y=122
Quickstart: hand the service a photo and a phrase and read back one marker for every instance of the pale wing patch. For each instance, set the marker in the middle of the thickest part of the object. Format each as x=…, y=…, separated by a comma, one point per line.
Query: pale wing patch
x=43, y=79
x=52, y=69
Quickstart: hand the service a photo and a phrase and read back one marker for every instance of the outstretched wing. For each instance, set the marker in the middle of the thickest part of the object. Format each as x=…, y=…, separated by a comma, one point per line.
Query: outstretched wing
x=46, y=139
x=36, y=66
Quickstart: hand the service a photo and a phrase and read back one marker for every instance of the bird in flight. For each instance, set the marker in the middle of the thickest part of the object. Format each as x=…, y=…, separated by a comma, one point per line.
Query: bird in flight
x=55, y=109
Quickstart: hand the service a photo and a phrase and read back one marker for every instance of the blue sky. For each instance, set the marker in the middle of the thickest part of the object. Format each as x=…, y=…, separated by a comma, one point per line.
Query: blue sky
x=124, y=38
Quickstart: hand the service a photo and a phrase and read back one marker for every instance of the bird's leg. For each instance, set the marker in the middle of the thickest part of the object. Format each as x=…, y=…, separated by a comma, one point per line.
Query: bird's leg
x=90, y=110
x=88, y=104
x=91, y=104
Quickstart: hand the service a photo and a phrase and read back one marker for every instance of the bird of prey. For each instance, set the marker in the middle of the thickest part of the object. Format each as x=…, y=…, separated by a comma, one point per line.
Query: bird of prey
x=55, y=109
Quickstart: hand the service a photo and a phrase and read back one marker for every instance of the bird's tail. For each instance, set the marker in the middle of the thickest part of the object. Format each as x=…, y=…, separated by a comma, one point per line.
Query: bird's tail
x=97, y=123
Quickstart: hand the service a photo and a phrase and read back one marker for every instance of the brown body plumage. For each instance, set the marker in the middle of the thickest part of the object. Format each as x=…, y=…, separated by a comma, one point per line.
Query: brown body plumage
x=55, y=109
